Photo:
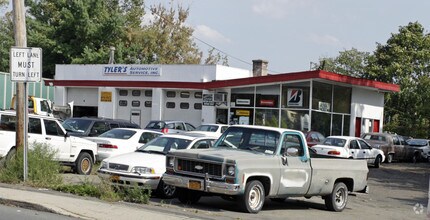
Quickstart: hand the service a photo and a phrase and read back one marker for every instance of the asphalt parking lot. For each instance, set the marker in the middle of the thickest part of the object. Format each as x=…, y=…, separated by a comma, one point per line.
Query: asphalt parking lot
x=397, y=191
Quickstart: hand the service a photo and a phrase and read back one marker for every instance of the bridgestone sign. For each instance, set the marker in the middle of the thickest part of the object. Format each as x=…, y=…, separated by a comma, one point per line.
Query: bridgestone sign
x=26, y=64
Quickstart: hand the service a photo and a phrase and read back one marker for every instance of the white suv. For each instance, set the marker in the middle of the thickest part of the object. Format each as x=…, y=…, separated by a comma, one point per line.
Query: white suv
x=75, y=152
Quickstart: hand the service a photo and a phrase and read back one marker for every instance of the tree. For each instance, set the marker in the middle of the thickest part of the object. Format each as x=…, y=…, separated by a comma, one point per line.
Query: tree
x=6, y=41
x=216, y=58
x=349, y=62
x=405, y=60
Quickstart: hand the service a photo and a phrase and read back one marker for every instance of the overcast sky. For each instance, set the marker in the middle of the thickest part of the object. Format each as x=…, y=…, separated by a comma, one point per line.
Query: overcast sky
x=292, y=33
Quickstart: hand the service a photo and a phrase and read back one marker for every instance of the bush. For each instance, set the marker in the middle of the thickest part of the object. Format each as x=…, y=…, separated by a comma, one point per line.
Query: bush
x=43, y=171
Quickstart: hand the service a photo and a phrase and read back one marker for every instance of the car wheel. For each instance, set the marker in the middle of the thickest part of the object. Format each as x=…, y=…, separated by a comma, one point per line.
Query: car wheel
x=378, y=161
x=338, y=198
x=415, y=158
x=166, y=191
x=84, y=164
x=253, y=199
x=187, y=196
x=389, y=158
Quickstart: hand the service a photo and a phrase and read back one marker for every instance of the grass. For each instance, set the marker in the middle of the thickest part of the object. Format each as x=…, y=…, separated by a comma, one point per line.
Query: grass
x=45, y=172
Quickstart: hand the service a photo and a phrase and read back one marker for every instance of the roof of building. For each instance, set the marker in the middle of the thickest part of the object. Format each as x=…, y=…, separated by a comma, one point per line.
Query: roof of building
x=285, y=77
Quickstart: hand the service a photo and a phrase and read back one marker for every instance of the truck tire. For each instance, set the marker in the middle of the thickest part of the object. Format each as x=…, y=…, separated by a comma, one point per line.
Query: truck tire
x=378, y=161
x=84, y=164
x=338, y=198
x=187, y=196
x=253, y=199
x=166, y=191
x=9, y=156
x=389, y=158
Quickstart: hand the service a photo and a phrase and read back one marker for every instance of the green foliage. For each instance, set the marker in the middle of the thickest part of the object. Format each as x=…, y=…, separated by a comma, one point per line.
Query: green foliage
x=6, y=41
x=349, y=62
x=85, y=189
x=43, y=171
x=135, y=194
x=216, y=58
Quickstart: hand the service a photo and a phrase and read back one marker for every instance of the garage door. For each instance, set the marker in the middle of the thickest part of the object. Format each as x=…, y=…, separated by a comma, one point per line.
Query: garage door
x=83, y=96
x=134, y=105
x=183, y=105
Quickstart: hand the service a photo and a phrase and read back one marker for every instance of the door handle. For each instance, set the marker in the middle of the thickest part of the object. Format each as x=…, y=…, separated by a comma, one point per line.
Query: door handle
x=48, y=138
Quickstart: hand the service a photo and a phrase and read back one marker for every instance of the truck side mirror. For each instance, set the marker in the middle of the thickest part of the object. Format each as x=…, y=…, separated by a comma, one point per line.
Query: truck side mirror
x=292, y=152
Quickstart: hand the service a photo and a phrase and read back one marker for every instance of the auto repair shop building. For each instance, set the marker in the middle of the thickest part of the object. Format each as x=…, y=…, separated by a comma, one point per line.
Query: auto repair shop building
x=327, y=102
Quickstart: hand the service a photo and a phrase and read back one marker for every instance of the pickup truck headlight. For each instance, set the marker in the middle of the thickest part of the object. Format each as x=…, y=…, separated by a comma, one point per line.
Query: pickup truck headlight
x=171, y=161
x=142, y=170
x=231, y=170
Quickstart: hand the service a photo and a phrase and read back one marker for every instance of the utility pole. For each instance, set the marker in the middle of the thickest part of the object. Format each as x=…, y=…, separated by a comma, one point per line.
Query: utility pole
x=20, y=35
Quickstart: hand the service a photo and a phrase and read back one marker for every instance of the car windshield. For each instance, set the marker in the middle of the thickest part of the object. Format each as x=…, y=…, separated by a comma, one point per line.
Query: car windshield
x=415, y=142
x=165, y=144
x=156, y=125
x=336, y=142
x=118, y=134
x=262, y=141
x=211, y=128
x=77, y=125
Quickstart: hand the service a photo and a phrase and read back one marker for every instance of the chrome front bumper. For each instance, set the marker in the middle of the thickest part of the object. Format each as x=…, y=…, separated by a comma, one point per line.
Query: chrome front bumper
x=199, y=184
x=129, y=179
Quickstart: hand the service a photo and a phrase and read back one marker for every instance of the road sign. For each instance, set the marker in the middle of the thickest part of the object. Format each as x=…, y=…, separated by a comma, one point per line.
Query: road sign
x=26, y=64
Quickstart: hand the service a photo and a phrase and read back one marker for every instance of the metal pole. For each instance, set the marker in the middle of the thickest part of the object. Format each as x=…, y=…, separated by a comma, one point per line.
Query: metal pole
x=25, y=133
x=20, y=35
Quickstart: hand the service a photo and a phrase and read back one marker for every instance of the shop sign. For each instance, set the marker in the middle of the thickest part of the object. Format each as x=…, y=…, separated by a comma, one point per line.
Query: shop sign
x=324, y=106
x=295, y=98
x=131, y=70
x=267, y=102
x=242, y=112
x=243, y=102
x=106, y=97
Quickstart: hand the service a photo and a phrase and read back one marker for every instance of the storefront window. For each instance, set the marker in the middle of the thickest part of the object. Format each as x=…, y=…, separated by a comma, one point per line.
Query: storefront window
x=267, y=117
x=298, y=120
x=241, y=116
x=295, y=95
x=336, y=128
x=242, y=97
x=346, y=123
x=321, y=122
x=321, y=96
x=267, y=96
x=342, y=99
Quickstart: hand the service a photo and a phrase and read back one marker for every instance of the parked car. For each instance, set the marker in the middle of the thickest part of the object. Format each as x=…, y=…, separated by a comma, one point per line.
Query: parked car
x=121, y=140
x=210, y=129
x=170, y=126
x=393, y=145
x=350, y=147
x=313, y=137
x=75, y=152
x=266, y=162
x=420, y=149
x=93, y=127
x=146, y=165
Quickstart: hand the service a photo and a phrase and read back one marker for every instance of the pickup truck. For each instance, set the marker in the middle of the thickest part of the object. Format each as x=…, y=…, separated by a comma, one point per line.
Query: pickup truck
x=75, y=152
x=251, y=163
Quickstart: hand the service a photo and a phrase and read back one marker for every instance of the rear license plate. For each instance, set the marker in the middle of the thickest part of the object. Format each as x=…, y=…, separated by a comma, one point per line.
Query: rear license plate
x=114, y=178
x=192, y=184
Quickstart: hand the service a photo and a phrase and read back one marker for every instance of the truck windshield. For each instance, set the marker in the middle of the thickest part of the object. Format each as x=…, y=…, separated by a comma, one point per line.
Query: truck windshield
x=257, y=140
x=76, y=125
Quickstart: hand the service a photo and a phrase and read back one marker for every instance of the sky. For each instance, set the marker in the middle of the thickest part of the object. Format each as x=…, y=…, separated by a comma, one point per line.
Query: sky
x=290, y=34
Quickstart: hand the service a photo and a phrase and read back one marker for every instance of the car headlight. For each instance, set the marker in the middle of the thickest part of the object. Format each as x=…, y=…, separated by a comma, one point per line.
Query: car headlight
x=103, y=165
x=142, y=170
x=170, y=161
x=231, y=170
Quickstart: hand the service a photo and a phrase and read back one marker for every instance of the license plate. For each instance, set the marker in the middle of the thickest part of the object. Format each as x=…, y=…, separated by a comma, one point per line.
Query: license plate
x=192, y=184
x=114, y=178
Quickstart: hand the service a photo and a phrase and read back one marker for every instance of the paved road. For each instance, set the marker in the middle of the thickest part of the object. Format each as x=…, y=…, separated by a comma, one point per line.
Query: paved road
x=394, y=191
x=17, y=213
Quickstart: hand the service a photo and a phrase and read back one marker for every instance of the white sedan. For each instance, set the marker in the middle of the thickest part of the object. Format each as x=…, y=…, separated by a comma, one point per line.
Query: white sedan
x=350, y=147
x=210, y=129
x=146, y=165
x=121, y=140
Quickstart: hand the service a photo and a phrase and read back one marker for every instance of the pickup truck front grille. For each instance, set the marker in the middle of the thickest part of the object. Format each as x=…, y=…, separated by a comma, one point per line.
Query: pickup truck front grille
x=117, y=166
x=199, y=167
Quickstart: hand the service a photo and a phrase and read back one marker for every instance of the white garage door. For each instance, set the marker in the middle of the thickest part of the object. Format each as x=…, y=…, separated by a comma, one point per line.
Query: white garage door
x=83, y=96
x=134, y=105
x=183, y=105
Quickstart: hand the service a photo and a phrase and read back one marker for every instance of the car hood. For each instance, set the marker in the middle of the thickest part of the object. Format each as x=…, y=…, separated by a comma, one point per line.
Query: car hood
x=139, y=159
x=219, y=154
x=82, y=141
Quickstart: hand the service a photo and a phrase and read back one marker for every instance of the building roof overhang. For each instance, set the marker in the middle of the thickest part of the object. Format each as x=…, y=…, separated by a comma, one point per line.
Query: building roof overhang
x=286, y=77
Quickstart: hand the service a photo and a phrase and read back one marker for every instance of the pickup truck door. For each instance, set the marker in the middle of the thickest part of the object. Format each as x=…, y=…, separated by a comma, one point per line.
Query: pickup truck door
x=55, y=138
x=295, y=169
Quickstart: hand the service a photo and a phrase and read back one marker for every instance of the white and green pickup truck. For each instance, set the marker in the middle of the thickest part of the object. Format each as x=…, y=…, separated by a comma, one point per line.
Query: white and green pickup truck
x=75, y=152
x=251, y=163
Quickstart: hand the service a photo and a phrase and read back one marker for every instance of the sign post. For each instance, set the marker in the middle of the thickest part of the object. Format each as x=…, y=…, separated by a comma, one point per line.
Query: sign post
x=25, y=66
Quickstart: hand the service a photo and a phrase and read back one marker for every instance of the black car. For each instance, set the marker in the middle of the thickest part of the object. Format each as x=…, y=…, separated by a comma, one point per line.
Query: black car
x=93, y=127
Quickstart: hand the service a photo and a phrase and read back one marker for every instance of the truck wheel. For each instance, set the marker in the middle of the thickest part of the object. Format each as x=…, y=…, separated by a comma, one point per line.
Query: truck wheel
x=253, y=199
x=188, y=196
x=338, y=198
x=9, y=156
x=415, y=158
x=378, y=161
x=389, y=158
x=84, y=164
x=166, y=191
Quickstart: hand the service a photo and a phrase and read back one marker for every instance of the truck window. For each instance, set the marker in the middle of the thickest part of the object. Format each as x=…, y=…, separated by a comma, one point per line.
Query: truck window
x=34, y=126
x=99, y=128
x=8, y=123
x=52, y=128
x=292, y=141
